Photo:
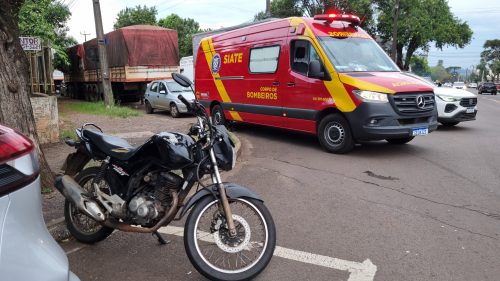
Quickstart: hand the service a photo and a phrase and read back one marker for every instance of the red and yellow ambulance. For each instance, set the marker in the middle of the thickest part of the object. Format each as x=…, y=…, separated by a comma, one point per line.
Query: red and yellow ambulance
x=321, y=75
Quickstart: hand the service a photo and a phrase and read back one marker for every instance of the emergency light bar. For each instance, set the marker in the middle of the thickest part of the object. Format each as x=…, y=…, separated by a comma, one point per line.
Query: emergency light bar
x=339, y=17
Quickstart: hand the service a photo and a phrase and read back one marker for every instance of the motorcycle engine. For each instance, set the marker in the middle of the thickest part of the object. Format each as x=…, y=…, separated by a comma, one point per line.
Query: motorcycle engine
x=153, y=202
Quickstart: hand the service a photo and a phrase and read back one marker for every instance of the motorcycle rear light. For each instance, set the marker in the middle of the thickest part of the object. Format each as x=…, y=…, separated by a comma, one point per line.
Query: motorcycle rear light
x=18, y=161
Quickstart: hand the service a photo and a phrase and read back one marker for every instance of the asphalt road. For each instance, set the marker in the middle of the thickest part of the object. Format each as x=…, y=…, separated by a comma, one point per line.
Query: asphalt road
x=428, y=210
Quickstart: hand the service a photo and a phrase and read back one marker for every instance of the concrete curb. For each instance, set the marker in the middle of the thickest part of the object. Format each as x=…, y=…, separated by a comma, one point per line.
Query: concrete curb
x=57, y=227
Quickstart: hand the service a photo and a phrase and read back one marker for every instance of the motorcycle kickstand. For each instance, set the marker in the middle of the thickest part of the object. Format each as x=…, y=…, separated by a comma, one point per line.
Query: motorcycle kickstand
x=160, y=238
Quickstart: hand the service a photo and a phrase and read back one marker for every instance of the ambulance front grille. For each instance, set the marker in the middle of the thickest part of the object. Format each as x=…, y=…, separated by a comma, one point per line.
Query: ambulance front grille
x=410, y=103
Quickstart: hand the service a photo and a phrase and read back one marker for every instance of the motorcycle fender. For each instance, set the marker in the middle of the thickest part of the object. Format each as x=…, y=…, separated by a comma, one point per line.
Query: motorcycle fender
x=75, y=162
x=233, y=191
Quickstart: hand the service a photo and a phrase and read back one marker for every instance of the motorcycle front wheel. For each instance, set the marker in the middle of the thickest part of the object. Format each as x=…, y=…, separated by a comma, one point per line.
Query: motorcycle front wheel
x=219, y=256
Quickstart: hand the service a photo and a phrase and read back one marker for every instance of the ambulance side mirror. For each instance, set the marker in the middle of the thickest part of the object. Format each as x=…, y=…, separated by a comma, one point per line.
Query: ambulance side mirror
x=315, y=71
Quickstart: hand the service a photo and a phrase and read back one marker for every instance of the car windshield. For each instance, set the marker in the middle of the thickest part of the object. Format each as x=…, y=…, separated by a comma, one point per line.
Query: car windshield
x=489, y=84
x=173, y=87
x=459, y=83
x=353, y=54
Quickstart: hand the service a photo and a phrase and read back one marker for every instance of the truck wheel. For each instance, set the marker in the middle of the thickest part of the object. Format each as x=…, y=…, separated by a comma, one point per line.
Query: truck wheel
x=400, y=140
x=149, y=109
x=218, y=117
x=334, y=134
x=174, y=111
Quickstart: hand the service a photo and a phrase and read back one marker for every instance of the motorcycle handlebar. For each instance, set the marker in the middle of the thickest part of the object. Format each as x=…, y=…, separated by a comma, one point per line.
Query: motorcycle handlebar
x=185, y=101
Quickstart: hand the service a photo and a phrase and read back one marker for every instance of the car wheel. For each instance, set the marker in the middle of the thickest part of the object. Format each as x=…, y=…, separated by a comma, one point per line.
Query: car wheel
x=400, y=140
x=218, y=117
x=334, y=134
x=174, y=111
x=449, y=124
x=149, y=109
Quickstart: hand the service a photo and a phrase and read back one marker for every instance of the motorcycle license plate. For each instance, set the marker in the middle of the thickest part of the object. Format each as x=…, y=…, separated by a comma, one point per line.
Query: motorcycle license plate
x=420, y=131
x=470, y=110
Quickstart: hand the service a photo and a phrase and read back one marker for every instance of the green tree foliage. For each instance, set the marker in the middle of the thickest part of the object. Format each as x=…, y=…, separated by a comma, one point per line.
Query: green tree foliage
x=491, y=55
x=421, y=22
x=185, y=27
x=439, y=73
x=281, y=9
x=47, y=19
x=420, y=66
x=291, y=8
x=483, y=70
x=362, y=8
x=137, y=15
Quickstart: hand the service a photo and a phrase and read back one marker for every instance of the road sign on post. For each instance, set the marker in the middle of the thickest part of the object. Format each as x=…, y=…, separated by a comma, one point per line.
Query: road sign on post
x=31, y=43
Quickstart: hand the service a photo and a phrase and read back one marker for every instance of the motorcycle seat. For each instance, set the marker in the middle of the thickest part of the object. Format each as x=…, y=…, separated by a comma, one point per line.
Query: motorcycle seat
x=110, y=145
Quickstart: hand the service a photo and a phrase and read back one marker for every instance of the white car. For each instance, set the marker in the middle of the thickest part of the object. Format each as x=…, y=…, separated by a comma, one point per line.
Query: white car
x=455, y=105
x=459, y=85
x=27, y=251
x=163, y=94
x=472, y=85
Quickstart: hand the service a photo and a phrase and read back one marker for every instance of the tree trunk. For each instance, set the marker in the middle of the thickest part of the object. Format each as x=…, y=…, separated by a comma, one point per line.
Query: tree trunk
x=15, y=104
x=412, y=47
x=399, y=57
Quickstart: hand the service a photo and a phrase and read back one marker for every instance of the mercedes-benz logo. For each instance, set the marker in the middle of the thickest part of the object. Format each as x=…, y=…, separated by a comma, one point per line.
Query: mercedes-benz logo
x=420, y=102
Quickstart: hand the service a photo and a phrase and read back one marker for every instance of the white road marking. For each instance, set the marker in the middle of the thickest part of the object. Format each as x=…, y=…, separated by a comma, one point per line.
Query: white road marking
x=364, y=271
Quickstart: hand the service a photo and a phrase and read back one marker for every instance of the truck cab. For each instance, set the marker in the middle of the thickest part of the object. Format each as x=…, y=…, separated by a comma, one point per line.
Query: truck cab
x=323, y=75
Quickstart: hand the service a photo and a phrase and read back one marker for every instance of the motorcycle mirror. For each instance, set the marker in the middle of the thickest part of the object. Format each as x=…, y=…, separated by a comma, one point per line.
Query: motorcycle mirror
x=181, y=80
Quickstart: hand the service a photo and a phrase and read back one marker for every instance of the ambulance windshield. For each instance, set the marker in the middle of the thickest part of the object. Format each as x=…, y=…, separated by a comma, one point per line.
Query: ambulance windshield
x=353, y=54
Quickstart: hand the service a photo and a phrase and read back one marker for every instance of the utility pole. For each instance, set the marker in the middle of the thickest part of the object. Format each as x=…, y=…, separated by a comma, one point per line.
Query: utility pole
x=84, y=35
x=395, y=32
x=268, y=8
x=103, y=56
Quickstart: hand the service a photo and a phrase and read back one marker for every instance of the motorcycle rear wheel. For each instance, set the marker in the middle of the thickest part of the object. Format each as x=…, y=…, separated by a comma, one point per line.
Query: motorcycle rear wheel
x=218, y=256
x=82, y=227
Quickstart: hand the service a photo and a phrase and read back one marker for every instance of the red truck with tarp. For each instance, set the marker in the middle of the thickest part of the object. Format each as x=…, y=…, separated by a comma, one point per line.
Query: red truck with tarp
x=137, y=55
x=323, y=75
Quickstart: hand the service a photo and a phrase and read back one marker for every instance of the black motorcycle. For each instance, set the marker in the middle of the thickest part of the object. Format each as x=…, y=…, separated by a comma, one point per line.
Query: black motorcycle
x=229, y=233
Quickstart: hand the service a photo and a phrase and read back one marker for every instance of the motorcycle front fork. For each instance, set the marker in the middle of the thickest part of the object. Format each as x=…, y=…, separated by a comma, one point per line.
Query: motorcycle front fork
x=222, y=193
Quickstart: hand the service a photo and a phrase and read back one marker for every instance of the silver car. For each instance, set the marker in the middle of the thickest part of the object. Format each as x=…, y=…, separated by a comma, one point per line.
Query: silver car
x=162, y=94
x=27, y=251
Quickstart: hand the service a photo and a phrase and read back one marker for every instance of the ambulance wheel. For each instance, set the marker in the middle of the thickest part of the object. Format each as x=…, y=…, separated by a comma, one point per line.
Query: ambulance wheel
x=335, y=135
x=218, y=117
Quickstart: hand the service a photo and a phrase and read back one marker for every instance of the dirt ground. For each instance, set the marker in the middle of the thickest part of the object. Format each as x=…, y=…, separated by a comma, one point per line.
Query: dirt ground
x=134, y=129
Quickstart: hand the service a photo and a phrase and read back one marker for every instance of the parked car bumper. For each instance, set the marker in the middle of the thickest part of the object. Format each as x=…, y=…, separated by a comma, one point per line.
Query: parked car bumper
x=28, y=251
x=454, y=112
x=389, y=124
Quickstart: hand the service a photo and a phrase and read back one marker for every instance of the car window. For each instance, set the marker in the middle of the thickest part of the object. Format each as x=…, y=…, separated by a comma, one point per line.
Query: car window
x=173, y=87
x=154, y=87
x=162, y=88
x=302, y=52
x=264, y=59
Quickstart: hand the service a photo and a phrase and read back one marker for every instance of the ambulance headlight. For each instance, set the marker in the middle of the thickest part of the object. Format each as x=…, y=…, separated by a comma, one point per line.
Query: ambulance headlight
x=369, y=96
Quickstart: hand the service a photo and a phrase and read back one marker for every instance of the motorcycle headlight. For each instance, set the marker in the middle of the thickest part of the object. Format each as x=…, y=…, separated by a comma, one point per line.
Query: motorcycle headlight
x=370, y=96
x=447, y=98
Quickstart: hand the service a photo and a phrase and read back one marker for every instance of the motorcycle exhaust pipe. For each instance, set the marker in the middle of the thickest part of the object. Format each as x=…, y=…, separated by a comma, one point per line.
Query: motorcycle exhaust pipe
x=76, y=195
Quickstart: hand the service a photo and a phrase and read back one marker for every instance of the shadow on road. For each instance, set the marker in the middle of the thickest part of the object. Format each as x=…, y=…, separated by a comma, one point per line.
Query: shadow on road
x=366, y=148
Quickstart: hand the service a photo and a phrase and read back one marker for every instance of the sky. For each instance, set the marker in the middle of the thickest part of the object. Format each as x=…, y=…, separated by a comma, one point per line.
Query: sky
x=483, y=16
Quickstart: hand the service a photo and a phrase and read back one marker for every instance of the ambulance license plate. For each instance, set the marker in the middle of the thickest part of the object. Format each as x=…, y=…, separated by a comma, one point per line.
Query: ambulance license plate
x=420, y=131
x=470, y=110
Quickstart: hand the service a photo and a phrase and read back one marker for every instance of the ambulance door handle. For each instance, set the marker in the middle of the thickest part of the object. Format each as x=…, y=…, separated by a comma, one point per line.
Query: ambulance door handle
x=290, y=84
x=276, y=83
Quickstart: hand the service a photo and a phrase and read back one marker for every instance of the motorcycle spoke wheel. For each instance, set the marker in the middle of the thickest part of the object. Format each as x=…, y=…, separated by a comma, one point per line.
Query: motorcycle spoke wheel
x=224, y=253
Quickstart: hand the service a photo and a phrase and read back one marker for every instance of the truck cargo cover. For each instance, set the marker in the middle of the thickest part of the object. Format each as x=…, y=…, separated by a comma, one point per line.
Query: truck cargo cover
x=137, y=45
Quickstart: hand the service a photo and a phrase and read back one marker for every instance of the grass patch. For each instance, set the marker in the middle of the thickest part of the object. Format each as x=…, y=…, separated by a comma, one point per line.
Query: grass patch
x=46, y=190
x=99, y=108
x=67, y=134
